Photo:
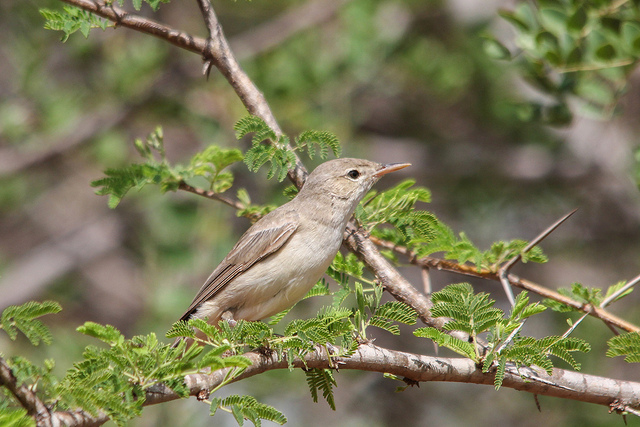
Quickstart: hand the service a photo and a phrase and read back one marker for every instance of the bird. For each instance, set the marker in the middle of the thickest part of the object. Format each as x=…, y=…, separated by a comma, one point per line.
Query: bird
x=282, y=256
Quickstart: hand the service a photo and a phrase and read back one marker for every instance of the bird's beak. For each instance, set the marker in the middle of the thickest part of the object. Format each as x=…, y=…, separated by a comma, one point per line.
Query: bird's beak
x=390, y=167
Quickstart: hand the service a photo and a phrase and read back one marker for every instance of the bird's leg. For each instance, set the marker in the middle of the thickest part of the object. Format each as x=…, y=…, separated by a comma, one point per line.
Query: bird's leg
x=228, y=316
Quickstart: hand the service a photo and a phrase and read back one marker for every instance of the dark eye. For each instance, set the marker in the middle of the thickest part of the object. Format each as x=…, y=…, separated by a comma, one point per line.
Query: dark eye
x=353, y=174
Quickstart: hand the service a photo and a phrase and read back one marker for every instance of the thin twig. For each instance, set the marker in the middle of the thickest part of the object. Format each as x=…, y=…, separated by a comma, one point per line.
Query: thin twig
x=211, y=195
x=215, y=49
x=574, y=326
x=619, y=292
x=503, y=272
x=510, y=337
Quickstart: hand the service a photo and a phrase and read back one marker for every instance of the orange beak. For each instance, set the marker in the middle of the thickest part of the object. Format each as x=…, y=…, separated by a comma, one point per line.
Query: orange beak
x=390, y=167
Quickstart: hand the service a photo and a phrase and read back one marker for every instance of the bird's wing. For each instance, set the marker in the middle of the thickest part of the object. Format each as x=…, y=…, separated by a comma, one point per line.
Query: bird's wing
x=254, y=245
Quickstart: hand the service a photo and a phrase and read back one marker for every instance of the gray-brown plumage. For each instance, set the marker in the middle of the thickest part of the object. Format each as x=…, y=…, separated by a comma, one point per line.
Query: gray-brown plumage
x=279, y=259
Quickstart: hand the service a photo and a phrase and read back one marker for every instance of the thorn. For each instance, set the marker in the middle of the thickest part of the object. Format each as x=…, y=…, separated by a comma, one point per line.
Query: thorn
x=619, y=292
x=426, y=281
x=503, y=273
x=410, y=382
x=206, y=68
x=535, y=397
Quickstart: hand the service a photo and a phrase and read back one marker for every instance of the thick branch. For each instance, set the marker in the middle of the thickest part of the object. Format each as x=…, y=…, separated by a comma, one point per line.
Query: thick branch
x=514, y=280
x=562, y=383
x=27, y=398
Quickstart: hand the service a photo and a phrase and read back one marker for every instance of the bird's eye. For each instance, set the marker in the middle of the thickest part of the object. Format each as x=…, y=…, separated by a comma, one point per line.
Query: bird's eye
x=353, y=174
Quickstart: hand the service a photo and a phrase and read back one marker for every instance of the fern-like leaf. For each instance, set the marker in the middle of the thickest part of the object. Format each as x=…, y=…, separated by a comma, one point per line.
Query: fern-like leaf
x=627, y=345
x=321, y=380
x=397, y=311
x=23, y=318
x=72, y=19
x=322, y=139
x=459, y=346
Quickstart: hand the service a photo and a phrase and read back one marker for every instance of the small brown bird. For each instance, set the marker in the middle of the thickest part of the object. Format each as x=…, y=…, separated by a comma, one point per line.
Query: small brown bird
x=279, y=259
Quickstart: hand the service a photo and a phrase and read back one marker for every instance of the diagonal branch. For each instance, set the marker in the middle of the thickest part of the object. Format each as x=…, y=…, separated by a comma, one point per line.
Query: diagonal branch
x=215, y=49
x=392, y=281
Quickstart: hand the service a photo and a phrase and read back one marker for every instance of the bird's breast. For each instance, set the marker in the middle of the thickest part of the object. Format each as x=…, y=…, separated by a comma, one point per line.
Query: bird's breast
x=282, y=279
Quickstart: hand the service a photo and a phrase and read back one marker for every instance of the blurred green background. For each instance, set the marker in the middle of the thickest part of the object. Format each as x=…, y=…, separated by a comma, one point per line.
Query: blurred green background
x=396, y=81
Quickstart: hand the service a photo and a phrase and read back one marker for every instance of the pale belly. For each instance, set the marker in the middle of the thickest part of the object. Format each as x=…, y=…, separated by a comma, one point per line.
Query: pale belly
x=275, y=283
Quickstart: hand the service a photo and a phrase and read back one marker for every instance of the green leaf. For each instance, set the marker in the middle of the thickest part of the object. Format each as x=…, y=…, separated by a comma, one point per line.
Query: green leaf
x=606, y=52
x=595, y=90
x=397, y=311
x=106, y=333
x=553, y=19
x=514, y=20
x=247, y=407
x=494, y=49
x=578, y=20
x=254, y=124
x=321, y=380
x=614, y=288
x=462, y=347
x=631, y=35
x=15, y=417
x=627, y=345
x=323, y=140
x=70, y=20
x=23, y=318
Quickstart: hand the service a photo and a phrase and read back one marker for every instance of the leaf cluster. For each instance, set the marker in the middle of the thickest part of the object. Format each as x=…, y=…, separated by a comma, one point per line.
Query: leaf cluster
x=332, y=326
x=275, y=150
x=586, y=296
x=72, y=19
x=113, y=380
x=423, y=233
x=208, y=165
x=573, y=49
x=247, y=407
x=23, y=318
x=368, y=310
x=625, y=345
x=475, y=314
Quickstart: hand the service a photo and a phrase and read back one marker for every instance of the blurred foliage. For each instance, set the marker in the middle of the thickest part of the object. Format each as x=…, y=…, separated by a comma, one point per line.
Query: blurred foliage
x=573, y=48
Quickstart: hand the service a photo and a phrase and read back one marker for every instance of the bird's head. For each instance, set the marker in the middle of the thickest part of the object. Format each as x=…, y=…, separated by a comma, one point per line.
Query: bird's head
x=348, y=179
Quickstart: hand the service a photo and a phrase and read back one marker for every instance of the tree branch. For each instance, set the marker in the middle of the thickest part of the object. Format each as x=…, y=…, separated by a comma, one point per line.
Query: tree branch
x=27, y=398
x=368, y=357
x=483, y=273
x=392, y=281
x=215, y=48
x=210, y=195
